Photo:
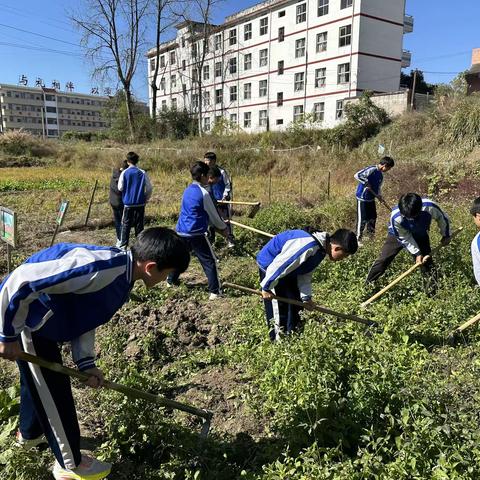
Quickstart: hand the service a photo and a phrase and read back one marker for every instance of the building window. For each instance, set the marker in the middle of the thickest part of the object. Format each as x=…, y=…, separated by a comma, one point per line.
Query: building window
x=247, y=91
x=233, y=93
x=233, y=118
x=345, y=36
x=206, y=98
x=172, y=58
x=322, y=7
x=173, y=81
x=298, y=113
x=320, y=77
x=281, y=13
x=218, y=69
x=279, y=121
x=279, y=99
x=183, y=42
x=174, y=103
x=262, y=88
x=218, y=96
x=263, y=60
x=339, y=110
x=247, y=119
x=345, y=4
x=321, y=42
x=162, y=84
x=206, y=72
x=343, y=73
x=152, y=64
x=262, y=118
x=300, y=48
x=195, y=101
x=247, y=61
x=264, y=26
x=195, y=74
x=319, y=111
x=301, y=12
x=184, y=65
x=162, y=61
x=232, y=39
x=51, y=110
x=206, y=124
x=299, y=81
x=281, y=34
x=194, y=50
x=232, y=65
x=218, y=41
x=247, y=31
x=281, y=65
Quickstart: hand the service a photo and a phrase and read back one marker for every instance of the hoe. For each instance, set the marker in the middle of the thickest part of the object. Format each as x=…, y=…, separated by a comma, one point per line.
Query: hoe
x=130, y=392
x=255, y=206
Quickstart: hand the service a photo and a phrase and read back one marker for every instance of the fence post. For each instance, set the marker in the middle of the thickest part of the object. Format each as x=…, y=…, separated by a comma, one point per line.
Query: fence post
x=91, y=201
x=301, y=186
x=270, y=188
x=328, y=184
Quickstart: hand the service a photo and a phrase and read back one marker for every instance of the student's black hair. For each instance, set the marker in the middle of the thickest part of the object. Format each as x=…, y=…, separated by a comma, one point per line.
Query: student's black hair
x=387, y=161
x=475, y=208
x=162, y=246
x=198, y=169
x=410, y=205
x=345, y=239
x=132, y=158
x=211, y=156
x=214, y=172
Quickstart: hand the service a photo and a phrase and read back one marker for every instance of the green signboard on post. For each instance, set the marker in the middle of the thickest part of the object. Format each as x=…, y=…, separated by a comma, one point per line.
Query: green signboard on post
x=8, y=226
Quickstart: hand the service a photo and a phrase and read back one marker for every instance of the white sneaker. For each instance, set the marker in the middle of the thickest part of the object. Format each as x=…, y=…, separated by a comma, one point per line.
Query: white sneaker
x=119, y=243
x=89, y=469
x=359, y=243
x=26, y=443
x=230, y=245
x=215, y=296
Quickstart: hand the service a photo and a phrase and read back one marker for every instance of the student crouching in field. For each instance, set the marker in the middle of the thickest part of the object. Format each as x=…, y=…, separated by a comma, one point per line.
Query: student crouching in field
x=196, y=212
x=409, y=228
x=62, y=294
x=286, y=265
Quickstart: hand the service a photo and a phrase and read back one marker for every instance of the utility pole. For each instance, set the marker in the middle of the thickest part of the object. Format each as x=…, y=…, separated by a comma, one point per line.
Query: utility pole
x=414, y=86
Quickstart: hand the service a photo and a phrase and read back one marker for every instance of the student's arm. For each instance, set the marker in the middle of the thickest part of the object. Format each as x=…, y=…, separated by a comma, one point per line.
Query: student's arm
x=441, y=218
x=120, y=180
x=212, y=212
x=82, y=272
x=304, y=283
x=148, y=187
x=228, y=185
x=406, y=239
x=293, y=254
x=83, y=350
x=362, y=175
x=476, y=258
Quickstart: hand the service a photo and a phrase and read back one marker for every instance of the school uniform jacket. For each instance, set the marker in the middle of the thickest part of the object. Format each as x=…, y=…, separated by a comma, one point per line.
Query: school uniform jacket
x=405, y=229
x=135, y=186
x=222, y=189
x=374, y=177
x=476, y=257
x=63, y=293
x=293, y=252
x=196, y=211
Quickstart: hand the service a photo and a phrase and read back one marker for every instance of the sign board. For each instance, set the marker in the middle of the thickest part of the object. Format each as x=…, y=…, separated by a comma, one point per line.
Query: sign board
x=61, y=212
x=381, y=149
x=8, y=226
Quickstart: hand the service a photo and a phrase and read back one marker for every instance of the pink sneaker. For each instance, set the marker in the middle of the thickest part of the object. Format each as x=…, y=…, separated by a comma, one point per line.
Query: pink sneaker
x=89, y=469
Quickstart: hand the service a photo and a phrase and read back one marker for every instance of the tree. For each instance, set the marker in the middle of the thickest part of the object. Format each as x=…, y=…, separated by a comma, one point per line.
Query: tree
x=113, y=32
x=421, y=86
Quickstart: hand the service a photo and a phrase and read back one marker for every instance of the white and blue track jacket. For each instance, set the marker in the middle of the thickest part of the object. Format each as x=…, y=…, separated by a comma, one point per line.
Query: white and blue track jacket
x=293, y=252
x=197, y=211
x=476, y=257
x=405, y=229
x=374, y=177
x=64, y=292
x=222, y=189
x=135, y=186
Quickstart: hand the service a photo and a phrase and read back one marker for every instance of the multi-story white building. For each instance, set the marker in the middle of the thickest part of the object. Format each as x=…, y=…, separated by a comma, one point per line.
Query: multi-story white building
x=270, y=64
x=49, y=112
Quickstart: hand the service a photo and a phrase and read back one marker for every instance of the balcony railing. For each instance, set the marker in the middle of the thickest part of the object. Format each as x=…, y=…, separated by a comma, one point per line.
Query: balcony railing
x=407, y=24
x=406, y=58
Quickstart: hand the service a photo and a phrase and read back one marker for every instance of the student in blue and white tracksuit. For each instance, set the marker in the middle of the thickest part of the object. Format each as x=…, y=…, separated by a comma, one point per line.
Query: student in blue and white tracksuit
x=196, y=212
x=370, y=180
x=409, y=228
x=136, y=191
x=221, y=190
x=475, y=247
x=286, y=264
x=62, y=294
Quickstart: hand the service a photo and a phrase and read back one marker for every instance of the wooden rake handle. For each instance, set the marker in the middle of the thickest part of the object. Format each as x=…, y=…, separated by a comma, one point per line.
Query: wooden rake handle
x=230, y=202
x=318, y=308
x=130, y=392
x=241, y=225
x=381, y=200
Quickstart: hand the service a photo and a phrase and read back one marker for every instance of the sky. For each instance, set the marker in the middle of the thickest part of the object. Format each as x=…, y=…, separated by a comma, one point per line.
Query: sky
x=39, y=41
